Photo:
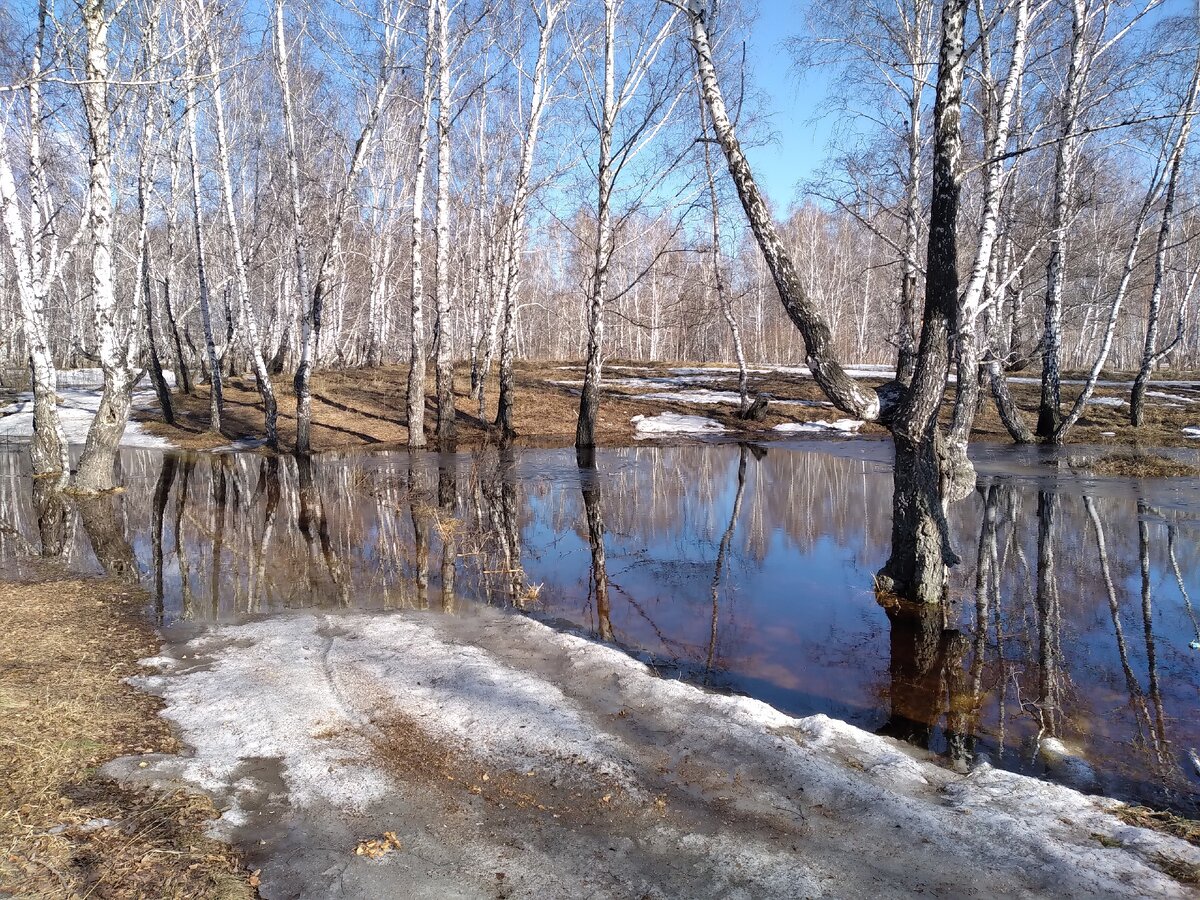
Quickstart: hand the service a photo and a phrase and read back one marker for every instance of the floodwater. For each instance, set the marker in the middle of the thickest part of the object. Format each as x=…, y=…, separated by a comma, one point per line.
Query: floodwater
x=745, y=568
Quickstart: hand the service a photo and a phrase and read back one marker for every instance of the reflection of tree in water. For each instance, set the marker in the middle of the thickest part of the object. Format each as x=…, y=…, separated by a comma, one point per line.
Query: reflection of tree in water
x=722, y=556
x=589, y=486
x=1044, y=628
x=51, y=507
x=102, y=521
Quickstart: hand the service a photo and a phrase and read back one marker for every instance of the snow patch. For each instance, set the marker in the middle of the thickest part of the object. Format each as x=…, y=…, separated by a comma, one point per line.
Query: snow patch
x=1192, y=431
x=308, y=692
x=77, y=407
x=845, y=426
x=674, y=423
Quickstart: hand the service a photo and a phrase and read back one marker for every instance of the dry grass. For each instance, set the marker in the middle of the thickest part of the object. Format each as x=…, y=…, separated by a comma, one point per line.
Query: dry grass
x=65, y=646
x=1139, y=465
x=1161, y=821
x=1181, y=870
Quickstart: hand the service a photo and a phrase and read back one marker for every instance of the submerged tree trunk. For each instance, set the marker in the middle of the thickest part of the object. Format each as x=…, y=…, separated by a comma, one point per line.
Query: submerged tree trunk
x=589, y=484
x=920, y=539
x=920, y=536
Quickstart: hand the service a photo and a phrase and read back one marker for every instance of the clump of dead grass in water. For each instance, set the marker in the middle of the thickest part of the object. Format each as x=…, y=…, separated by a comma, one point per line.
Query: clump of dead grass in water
x=66, y=646
x=1139, y=465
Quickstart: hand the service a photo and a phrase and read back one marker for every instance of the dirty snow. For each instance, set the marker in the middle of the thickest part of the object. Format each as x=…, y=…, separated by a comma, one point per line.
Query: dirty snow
x=846, y=426
x=674, y=423
x=76, y=409
x=1106, y=401
x=703, y=795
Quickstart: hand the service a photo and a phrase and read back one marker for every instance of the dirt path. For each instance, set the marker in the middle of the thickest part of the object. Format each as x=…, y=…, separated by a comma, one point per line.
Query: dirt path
x=487, y=755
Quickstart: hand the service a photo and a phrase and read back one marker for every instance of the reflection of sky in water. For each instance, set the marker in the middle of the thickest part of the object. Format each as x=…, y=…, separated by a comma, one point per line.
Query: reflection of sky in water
x=797, y=623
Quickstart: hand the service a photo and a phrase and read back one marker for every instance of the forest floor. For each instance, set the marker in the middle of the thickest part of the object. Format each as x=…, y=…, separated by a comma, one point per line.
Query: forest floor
x=66, y=646
x=357, y=407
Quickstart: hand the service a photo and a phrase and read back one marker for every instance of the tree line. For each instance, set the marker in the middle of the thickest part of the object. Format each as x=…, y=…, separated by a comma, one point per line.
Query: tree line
x=219, y=189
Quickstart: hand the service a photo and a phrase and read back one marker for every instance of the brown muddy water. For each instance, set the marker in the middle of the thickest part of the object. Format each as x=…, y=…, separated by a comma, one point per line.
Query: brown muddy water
x=743, y=568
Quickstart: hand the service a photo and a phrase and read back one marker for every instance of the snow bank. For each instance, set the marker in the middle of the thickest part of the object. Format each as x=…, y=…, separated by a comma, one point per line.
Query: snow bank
x=845, y=426
x=821, y=808
x=76, y=409
x=674, y=423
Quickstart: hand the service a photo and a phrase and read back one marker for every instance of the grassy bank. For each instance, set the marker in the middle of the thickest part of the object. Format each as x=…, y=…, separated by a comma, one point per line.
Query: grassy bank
x=65, y=647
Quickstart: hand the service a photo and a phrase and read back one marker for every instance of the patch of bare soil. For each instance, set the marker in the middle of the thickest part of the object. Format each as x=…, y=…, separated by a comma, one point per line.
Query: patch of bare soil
x=358, y=407
x=65, y=647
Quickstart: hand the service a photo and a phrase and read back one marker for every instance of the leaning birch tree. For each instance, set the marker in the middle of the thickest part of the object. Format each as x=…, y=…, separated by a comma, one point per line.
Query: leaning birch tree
x=920, y=540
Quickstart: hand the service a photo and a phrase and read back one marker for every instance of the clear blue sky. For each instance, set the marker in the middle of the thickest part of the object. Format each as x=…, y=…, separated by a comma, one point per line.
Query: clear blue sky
x=791, y=102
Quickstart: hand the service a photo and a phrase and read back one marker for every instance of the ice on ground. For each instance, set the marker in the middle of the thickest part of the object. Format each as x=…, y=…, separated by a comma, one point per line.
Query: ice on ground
x=674, y=423
x=845, y=426
x=617, y=771
x=77, y=407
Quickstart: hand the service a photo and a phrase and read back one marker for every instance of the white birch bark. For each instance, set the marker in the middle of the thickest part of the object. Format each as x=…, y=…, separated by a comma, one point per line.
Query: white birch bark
x=515, y=237
x=99, y=452
x=48, y=449
x=247, y=319
x=216, y=398
x=443, y=329
x=967, y=392
x=846, y=393
x=416, y=355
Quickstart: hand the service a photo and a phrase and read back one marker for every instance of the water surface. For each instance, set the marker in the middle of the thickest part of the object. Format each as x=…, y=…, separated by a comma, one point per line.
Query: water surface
x=739, y=567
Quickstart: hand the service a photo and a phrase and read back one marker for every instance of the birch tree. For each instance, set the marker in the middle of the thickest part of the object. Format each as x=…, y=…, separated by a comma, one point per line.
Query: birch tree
x=541, y=86
x=247, y=319
x=95, y=471
x=48, y=449
x=920, y=540
x=416, y=355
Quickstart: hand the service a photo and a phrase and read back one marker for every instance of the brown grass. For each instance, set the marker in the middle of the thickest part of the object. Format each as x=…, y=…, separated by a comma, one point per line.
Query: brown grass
x=357, y=407
x=1139, y=465
x=65, y=646
x=1160, y=820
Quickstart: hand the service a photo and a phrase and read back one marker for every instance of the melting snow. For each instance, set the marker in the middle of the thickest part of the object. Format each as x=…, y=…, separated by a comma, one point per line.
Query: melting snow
x=675, y=423
x=862, y=817
x=76, y=409
x=846, y=426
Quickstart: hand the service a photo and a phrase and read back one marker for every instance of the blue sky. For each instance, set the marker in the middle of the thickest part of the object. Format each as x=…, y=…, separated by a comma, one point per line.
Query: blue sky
x=791, y=102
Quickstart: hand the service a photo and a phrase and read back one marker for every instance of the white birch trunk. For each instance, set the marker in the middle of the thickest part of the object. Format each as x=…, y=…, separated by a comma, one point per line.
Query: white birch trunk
x=104, y=436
